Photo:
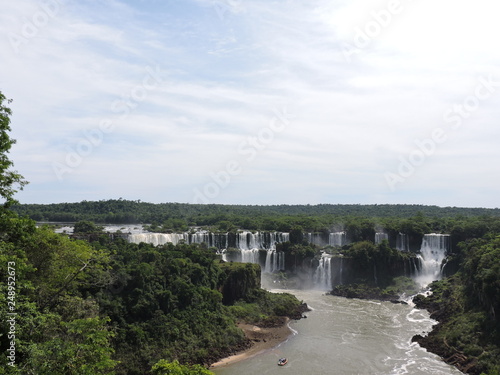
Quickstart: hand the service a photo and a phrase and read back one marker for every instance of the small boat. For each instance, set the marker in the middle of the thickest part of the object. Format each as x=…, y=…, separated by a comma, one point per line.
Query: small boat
x=282, y=361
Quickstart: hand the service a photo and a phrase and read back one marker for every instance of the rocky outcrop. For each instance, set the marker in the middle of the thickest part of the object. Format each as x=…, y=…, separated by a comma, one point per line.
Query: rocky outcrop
x=238, y=280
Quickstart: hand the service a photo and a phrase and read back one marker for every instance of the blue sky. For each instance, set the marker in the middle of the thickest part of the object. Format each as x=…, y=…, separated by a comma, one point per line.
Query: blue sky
x=254, y=102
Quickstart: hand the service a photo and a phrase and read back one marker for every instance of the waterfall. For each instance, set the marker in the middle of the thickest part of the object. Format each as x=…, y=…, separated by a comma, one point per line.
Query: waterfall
x=341, y=270
x=200, y=237
x=402, y=242
x=269, y=267
x=320, y=239
x=432, y=254
x=260, y=240
x=250, y=256
x=380, y=236
x=275, y=261
x=158, y=238
x=247, y=242
x=282, y=237
x=244, y=240
x=323, y=273
x=337, y=239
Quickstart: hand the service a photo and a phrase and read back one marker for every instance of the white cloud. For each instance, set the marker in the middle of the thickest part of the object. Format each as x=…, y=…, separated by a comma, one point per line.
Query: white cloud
x=222, y=79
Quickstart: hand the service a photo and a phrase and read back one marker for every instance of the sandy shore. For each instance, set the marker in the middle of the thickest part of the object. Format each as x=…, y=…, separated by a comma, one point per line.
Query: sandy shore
x=262, y=339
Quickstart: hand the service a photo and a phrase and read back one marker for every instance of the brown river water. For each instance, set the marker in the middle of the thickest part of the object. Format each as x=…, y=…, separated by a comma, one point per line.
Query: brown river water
x=349, y=336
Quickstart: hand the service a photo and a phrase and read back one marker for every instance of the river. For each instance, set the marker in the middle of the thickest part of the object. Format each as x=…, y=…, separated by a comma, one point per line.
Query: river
x=349, y=336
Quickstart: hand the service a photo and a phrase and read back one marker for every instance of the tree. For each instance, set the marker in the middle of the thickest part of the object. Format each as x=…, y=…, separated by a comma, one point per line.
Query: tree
x=296, y=234
x=77, y=347
x=164, y=367
x=10, y=181
x=87, y=227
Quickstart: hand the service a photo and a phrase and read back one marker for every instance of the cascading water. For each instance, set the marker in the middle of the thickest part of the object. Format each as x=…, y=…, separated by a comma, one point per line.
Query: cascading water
x=247, y=242
x=402, y=242
x=380, y=236
x=250, y=256
x=243, y=240
x=275, y=261
x=338, y=239
x=323, y=273
x=158, y=238
x=432, y=255
x=260, y=240
x=320, y=239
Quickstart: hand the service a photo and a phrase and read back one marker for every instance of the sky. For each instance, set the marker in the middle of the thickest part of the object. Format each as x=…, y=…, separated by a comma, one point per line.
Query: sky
x=254, y=101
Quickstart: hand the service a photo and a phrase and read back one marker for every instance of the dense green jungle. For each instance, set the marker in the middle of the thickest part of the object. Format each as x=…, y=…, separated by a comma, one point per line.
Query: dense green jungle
x=104, y=305
x=95, y=303
x=180, y=216
x=114, y=307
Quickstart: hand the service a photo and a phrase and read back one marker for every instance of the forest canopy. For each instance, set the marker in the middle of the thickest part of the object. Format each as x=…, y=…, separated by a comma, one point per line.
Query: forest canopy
x=180, y=216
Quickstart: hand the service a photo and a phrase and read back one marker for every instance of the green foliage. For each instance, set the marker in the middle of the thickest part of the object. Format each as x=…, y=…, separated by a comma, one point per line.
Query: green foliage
x=376, y=265
x=400, y=286
x=482, y=274
x=247, y=312
x=238, y=280
x=360, y=229
x=57, y=331
x=298, y=252
x=80, y=346
x=296, y=235
x=363, y=253
x=466, y=305
x=414, y=220
x=114, y=307
x=163, y=367
x=10, y=181
x=87, y=227
x=262, y=307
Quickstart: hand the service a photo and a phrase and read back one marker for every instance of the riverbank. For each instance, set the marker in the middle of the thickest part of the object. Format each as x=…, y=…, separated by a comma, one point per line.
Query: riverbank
x=261, y=338
x=465, y=336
